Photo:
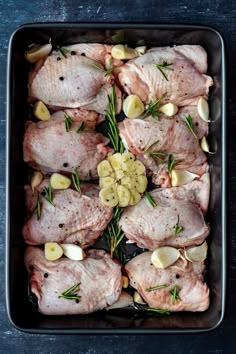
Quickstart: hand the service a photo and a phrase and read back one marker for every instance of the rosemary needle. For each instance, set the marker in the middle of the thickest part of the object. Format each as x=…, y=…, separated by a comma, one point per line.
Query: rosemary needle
x=106, y=72
x=68, y=122
x=153, y=288
x=63, y=51
x=175, y=294
x=150, y=199
x=71, y=293
x=164, y=66
x=160, y=311
x=76, y=180
x=189, y=122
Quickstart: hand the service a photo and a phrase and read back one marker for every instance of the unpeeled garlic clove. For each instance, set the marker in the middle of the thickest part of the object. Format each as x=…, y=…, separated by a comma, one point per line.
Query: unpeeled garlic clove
x=122, y=52
x=141, y=49
x=72, y=251
x=165, y=256
x=203, y=109
x=169, y=109
x=180, y=177
x=205, y=146
x=37, y=51
x=196, y=254
x=138, y=299
x=124, y=300
x=36, y=179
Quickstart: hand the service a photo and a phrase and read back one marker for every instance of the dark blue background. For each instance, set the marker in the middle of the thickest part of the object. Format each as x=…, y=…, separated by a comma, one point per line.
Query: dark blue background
x=219, y=14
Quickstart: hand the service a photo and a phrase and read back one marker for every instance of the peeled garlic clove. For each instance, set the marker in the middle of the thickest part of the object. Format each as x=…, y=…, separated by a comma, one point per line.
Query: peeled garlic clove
x=196, y=254
x=133, y=107
x=128, y=182
x=138, y=299
x=37, y=52
x=52, y=251
x=116, y=161
x=127, y=160
x=119, y=174
x=105, y=182
x=36, y=179
x=121, y=52
x=141, y=49
x=123, y=196
x=73, y=252
x=135, y=197
x=165, y=256
x=109, y=196
x=41, y=111
x=104, y=169
x=141, y=183
x=125, y=282
x=180, y=177
x=203, y=109
x=59, y=181
x=137, y=168
x=169, y=109
x=124, y=300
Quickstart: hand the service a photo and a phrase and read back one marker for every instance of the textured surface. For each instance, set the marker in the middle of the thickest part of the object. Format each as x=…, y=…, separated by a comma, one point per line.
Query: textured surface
x=220, y=14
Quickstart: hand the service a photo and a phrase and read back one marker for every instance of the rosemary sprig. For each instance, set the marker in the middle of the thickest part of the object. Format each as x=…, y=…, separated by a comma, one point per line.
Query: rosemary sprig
x=150, y=199
x=113, y=131
x=178, y=228
x=114, y=234
x=189, y=122
x=160, y=311
x=156, y=155
x=148, y=149
x=63, y=51
x=175, y=294
x=106, y=72
x=153, y=288
x=68, y=122
x=47, y=193
x=171, y=162
x=82, y=130
x=71, y=293
x=76, y=180
x=164, y=66
x=160, y=156
x=152, y=109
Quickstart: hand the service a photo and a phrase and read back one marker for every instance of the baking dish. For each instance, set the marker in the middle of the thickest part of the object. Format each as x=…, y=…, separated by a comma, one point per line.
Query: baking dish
x=21, y=312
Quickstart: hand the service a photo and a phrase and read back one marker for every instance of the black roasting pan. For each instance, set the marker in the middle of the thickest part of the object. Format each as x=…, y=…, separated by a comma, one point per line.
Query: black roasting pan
x=22, y=314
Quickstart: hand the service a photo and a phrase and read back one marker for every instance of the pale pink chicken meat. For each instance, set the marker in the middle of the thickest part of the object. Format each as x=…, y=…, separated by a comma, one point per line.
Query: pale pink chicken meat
x=74, y=81
x=49, y=147
x=71, y=218
x=99, y=277
x=169, y=136
x=185, y=77
x=151, y=227
x=187, y=277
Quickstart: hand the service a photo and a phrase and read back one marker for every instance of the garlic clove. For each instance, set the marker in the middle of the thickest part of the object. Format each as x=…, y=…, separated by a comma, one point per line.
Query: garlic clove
x=203, y=109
